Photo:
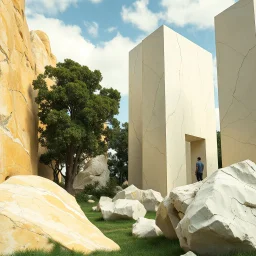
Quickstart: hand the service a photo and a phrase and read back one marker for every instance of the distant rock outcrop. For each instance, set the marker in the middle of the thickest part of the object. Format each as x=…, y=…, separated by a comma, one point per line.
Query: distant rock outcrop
x=96, y=170
x=23, y=55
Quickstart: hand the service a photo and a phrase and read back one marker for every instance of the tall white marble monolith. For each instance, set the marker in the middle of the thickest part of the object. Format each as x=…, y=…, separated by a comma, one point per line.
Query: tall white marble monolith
x=171, y=112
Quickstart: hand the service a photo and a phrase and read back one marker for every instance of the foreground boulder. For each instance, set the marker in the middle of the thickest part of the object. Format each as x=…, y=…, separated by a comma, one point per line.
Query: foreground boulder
x=34, y=209
x=221, y=219
x=96, y=170
x=163, y=220
x=146, y=228
x=173, y=208
x=123, y=209
x=149, y=198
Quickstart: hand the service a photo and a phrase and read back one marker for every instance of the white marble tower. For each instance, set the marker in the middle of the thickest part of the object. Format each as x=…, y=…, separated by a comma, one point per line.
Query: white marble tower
x=171, y=111
x=236, y=61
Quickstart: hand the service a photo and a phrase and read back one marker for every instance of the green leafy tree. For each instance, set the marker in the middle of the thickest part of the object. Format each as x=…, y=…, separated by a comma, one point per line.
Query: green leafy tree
x=73, y=113
x=118, y=162
x=219, y=150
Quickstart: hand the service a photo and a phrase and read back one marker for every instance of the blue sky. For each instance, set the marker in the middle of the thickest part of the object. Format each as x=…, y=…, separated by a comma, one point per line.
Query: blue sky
x=100, y=33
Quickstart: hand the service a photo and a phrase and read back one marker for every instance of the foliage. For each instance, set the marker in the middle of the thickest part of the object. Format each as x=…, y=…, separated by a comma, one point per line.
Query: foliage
x=118, y=163
x=81, y=197
x=97, y=191
x=219, y=150
x=73, y=113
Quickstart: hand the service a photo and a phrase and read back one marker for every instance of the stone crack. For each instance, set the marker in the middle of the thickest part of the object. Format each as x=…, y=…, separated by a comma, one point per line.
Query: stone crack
x=5, y=54
x=238, y=76
x=4, y=120
x=153, y=109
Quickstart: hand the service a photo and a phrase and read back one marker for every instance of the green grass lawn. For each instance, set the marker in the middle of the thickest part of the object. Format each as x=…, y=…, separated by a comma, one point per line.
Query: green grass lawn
x=121, y=233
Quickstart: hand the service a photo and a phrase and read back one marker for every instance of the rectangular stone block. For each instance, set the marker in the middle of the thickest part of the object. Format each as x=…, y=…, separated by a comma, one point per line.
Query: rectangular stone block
x=172, y=114
x=236, y=61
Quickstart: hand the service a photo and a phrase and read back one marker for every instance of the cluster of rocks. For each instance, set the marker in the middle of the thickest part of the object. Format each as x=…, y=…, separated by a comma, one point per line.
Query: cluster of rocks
x=216, y=216
x=130, y=203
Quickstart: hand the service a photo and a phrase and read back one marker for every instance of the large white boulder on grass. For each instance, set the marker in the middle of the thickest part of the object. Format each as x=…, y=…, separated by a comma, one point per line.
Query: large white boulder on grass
x=222, y=217
x=123, y=209
x=96, y=170
x=146, y=228
x=149, y=198
x=34, y=209
x=173, y=208
x=163, y=220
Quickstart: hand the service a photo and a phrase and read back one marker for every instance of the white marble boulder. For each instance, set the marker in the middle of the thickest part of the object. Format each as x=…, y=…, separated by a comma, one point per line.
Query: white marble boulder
x=222, y=218
x=123, y=209
x=96, y=170
x=173, y=208
x=163, y=220
x=146, y=228
x=103, y=200
x=149, y=198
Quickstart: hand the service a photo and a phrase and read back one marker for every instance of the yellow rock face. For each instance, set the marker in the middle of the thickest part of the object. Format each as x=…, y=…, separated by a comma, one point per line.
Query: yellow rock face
x=22, y=57
x=34, y=209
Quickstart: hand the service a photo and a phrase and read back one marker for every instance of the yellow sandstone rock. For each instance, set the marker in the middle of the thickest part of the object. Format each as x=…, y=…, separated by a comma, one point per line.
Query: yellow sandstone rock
x=34, y=209
x=22, y=57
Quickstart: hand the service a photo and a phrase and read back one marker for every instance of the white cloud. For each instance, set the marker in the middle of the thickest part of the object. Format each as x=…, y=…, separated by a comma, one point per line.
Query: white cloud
x=92, y=28
x=48, y=6
x=217, y=114
x=139, y=15
x=95, y=1
x=111, y=29
x=199, y=13
x=110, y=57
x=194, y=12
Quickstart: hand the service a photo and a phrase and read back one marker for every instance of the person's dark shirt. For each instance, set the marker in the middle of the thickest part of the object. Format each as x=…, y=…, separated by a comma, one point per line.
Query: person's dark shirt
x=200, y=166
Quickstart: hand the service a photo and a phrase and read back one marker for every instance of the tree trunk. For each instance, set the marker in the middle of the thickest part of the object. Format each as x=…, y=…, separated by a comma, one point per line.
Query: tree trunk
x=69, y=171
x=56, y=176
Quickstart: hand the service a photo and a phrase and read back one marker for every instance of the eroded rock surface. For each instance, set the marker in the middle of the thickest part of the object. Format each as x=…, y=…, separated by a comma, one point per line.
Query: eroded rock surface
x=34, y=209
x=22, y=57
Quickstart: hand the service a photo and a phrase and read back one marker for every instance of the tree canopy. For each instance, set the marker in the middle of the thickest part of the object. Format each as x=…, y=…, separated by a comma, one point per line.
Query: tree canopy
x=73, y=112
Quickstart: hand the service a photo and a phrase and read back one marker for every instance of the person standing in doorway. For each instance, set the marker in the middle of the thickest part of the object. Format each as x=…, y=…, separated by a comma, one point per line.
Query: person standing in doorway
x=199, y=169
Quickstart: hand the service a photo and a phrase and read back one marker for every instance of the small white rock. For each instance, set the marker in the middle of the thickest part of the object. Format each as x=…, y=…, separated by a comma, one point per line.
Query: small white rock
x=94, y=208
x=146, y=228
x=91, y=201
x=103, y=200
x=189, y=254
